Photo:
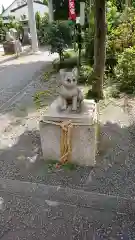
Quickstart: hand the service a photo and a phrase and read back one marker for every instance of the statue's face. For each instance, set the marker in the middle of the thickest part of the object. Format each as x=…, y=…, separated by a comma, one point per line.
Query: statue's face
x=68, y=79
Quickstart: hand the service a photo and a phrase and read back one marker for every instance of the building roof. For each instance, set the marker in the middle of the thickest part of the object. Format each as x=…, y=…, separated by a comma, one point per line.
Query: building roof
x=20, y=6
x=13, y=10
x=9, y=6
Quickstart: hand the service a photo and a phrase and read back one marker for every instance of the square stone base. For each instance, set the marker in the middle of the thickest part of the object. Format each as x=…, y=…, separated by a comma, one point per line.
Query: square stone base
x=84, y=135
x=9, y=47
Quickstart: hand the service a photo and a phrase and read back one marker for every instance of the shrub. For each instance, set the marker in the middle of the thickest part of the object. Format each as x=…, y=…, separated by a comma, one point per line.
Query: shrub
x=60, y=32
x=70, y=54
x=42, y=31
x=5, y=27
x=38, y=20
x=59, y=38
x=125, y=71
x=65, y=29
x=121, y=36
x=2, y=33
x=85, y=73
x=68, y=63
x=112, y=92
x=56, y=41
x=113, y=16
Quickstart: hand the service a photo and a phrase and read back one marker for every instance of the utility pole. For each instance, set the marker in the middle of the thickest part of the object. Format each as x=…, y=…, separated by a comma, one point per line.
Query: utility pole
x=32, y=25
x=50, y=6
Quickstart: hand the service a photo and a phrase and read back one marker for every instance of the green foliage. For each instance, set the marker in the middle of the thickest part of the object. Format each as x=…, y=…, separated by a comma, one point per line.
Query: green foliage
x=38, y=20
x=2, y=33
x=56, y=34
x=125, y=71
x=112, y=91
x=133, y=3
x=53, y=165
x=70, y=54
x=67, y=63
x=45, y=2
x=5, y=27
x=56, y=41
x=119, y=4
x=85, y=73
x=46, y=76
x=59, y=38
x=40, y=97
x=43, y=26
x=121, y=36
x=113, y=16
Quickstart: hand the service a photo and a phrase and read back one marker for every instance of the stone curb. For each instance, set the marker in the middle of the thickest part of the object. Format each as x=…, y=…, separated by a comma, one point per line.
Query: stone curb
x=9, y=58
x=69, y=196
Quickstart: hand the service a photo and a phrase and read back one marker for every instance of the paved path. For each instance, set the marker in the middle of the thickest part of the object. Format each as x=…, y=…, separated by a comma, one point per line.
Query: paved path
x=17, y=74
x=35, y=212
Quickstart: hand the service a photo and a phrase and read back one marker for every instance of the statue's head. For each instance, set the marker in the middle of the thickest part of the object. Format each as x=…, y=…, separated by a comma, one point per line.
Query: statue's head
x=69, y=79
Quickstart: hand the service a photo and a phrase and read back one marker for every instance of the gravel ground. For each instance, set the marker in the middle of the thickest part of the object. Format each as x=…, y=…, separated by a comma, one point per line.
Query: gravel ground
x=114, y=173
x=21, y=156
x=33, y=218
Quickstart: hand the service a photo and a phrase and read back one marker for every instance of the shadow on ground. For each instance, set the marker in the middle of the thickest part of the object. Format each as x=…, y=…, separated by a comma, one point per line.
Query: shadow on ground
x=24, y=161
x=29, y=217
x=113, y=173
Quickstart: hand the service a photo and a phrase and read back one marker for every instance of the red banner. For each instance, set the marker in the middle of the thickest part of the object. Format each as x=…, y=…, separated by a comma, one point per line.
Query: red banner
x=71, y=5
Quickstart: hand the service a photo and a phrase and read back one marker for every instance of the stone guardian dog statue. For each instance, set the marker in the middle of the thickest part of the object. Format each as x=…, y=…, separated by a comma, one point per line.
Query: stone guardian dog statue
x=70, y=94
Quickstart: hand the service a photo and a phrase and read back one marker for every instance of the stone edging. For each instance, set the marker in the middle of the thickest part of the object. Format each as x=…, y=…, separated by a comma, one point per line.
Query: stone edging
x=69, y=196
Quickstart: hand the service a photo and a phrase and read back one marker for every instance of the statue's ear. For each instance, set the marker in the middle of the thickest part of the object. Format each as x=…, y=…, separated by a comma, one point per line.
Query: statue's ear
x=75, y=72
x=62, y=74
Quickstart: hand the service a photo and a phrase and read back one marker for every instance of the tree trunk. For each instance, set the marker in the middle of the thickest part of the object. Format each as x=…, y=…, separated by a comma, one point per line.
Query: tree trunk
x=99, y=48
x=128, y=3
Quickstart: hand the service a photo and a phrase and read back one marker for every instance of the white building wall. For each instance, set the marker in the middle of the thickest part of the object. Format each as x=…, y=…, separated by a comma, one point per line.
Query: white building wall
x=8, y=11
x=42, y=9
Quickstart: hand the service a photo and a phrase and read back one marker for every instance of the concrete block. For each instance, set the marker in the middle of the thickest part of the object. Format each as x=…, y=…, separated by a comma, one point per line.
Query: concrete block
x=9, y=47
x=84, y=134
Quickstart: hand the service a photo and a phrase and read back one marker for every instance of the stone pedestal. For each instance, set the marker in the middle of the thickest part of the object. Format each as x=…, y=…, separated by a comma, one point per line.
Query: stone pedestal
x=9, y=47
x=84, y=134
x=12, y=47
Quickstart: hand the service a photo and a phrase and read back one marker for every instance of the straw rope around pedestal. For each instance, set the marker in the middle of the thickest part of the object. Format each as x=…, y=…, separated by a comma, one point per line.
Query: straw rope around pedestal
x=65, y=138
